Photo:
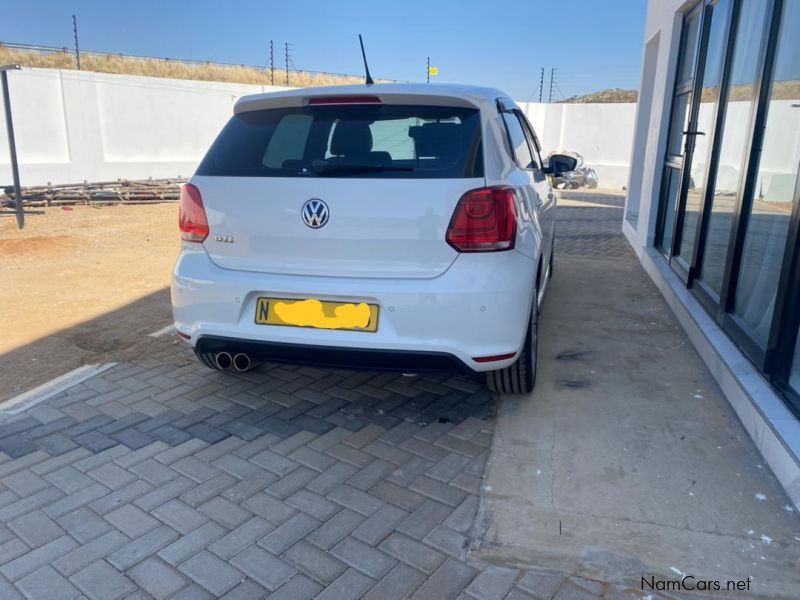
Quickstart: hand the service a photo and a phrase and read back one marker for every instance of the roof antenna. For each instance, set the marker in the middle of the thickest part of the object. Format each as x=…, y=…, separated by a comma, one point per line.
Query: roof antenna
x=366, y=66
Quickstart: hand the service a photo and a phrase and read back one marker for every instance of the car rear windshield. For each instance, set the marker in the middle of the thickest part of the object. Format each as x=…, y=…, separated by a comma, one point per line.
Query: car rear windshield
x=381, y=140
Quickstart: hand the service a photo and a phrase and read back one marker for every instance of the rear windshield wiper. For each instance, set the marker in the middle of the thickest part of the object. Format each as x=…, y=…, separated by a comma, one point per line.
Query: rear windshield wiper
x=340, y=168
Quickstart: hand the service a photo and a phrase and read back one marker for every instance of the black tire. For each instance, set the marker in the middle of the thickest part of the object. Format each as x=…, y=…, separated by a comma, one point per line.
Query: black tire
x=520, y=377
x=551, y=264
x=207, y=358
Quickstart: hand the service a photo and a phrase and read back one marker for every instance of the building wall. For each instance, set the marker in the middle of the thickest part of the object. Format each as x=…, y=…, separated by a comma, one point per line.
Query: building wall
x=72, y=126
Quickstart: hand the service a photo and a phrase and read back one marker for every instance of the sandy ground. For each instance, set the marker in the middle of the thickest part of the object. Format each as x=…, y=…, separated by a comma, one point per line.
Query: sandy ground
x=77, y=286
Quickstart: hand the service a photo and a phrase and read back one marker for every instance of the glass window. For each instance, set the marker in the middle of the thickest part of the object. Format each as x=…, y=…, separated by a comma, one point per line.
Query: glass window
x=771, y=206
x=679, y=124
x=689, y=43
x=522, y=153
x=712, y=77
x=744, y=70
x=365, y=140
x=794, y=376
x=288, y=141
x=674, y=180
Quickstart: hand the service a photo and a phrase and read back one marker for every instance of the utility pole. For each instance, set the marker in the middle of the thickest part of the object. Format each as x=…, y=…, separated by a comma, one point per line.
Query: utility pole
x=552, y=79
x=271, y=63
x=541, y=85
x=428, y=70
x=75, y=32
x=286, y=56
x=12, y=147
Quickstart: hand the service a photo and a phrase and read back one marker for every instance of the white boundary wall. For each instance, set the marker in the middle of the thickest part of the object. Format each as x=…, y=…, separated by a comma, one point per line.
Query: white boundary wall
x=73, y=126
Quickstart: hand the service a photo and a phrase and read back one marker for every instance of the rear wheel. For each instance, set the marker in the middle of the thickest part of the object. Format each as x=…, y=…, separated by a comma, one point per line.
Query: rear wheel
x=520, y=377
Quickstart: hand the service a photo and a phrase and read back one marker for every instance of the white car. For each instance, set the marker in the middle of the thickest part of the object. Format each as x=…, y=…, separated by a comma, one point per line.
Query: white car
x=392, y=226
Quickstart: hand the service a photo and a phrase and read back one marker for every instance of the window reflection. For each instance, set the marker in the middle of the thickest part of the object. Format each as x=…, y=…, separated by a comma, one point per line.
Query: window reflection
x=770, y=212
x=750, y=30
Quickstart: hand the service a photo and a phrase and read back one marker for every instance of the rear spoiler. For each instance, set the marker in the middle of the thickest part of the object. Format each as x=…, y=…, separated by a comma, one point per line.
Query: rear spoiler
x=371, y=96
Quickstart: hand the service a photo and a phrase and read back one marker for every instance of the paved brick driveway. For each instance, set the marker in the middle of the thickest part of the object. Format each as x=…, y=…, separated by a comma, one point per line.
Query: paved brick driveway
x=163, y=479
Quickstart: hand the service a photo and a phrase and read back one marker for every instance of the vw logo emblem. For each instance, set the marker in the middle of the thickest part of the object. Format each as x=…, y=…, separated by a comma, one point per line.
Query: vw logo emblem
x=315, y=213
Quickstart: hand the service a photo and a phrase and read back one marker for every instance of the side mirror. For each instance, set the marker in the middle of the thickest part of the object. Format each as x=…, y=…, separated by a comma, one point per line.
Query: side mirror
x=558, y=164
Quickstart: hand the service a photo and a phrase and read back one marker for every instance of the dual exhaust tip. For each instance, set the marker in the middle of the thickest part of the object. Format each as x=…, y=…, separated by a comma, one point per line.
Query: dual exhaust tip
x=240, y=361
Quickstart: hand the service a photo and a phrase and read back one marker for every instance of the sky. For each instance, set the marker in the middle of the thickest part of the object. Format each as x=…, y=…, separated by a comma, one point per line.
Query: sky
x=592, y=44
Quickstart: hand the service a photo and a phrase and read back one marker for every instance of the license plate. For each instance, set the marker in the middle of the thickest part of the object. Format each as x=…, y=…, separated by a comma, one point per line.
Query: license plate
x=317, y=314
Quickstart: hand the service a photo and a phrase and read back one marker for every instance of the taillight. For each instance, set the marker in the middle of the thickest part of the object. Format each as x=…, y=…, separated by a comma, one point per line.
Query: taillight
x=192, y=215
x=485, y=220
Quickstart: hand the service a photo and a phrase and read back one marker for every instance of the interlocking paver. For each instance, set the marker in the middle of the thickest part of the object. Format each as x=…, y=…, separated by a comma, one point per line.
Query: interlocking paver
x=157, y=578
x=100, y=581
x=356, y=500
x=86, y=554
x=185, y=546
x=131, y=521
x=492, y=582
x=142, y=547
x=212, y=573
x=411, y=552
x=335, y=529
x=398, y=584
x=424, y=520
x=349, y=586
x=180, y=516
x=240, y=538
x=225, y=512
x=35, y=528
x=448, y=541
x=363, y=557
x=315, y=563
x=287, y=481
x=541, y=583
x=289, y=533
x=447, y=582
x=46, y=583
x=380, y=524
x=270, y=508
x=266, y=569
x=32, y=560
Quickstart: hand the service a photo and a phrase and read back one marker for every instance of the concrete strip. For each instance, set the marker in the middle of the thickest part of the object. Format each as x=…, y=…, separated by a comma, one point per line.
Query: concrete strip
x=627, y=461
x=49, y=389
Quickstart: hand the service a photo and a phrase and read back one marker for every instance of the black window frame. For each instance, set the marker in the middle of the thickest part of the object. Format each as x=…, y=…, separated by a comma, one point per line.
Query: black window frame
x=507, y=106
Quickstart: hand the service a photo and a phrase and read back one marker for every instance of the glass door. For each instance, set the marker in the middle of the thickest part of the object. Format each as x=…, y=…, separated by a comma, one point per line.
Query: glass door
x=704, y=46
x=680, y=122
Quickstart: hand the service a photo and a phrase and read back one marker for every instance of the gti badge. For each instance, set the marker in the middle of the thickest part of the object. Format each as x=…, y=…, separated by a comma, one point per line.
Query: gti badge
x=315, y=213
x=225, y=239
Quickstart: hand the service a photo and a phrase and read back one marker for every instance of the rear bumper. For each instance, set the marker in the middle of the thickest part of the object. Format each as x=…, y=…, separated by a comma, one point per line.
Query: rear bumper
x=335, y=356
x=478, y=307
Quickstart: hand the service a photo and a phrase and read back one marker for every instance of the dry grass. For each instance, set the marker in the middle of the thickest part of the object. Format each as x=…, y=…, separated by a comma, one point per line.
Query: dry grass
x=613, y=95
x=154, y=67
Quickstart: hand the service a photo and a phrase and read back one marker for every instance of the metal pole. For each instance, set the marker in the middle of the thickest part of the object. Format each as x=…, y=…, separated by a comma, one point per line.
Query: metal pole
x=428, y=70
x=271, y=63
x=286, y=56
x=77, y=50
x=541, y=85
x=552, y=75
x=12, y=145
